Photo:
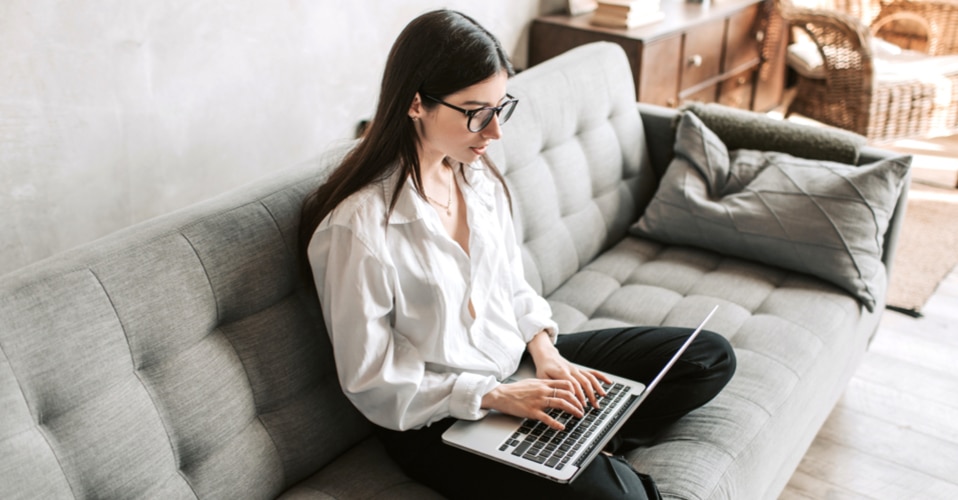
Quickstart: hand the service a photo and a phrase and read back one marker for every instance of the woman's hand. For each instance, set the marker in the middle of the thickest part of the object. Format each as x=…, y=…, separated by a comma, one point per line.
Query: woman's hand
x=558, y=384
x=533, y=398
x=550, y=365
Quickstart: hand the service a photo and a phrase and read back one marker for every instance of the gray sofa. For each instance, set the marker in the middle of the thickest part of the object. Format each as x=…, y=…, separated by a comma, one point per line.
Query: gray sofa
x=182, y=358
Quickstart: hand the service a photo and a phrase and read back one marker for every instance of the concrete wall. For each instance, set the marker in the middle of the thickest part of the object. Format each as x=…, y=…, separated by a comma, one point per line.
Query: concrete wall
x=115, y=111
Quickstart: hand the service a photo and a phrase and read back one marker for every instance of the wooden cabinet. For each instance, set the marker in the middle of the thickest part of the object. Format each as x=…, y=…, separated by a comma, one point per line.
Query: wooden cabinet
x=701, y=57
x=716, y=52
x=659, y=86
x=737, y=90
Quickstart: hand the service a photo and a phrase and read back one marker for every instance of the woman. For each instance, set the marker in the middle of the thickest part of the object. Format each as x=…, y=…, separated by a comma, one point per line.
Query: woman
x=414, y=257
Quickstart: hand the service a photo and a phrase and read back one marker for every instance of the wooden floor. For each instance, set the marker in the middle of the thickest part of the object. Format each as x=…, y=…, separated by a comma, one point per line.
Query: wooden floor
x=894, y=433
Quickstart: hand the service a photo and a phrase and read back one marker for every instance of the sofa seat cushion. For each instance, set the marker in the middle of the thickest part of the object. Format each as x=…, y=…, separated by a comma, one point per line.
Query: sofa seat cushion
x=643, y=282
x=796, y=338
x=365, y=471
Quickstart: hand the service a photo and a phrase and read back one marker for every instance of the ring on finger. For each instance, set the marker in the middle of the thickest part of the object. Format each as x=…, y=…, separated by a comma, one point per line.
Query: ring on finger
x=549, y=400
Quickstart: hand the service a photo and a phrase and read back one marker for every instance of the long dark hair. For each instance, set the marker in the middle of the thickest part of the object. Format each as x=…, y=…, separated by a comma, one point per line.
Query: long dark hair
x=438, y=53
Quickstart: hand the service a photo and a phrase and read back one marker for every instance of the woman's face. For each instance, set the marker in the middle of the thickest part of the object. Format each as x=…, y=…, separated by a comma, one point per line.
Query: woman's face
x=443, y=131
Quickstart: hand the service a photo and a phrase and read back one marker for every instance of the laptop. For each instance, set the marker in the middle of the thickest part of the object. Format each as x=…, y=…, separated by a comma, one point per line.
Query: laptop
x=532, y=446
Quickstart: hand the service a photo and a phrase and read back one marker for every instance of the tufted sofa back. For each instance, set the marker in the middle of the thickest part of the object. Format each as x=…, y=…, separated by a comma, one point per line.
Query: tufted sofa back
x=575, y=160
x=176, y=359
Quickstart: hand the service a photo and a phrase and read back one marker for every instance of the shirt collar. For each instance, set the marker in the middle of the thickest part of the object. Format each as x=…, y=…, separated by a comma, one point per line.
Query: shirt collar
x=480, y=182
x=409, y=207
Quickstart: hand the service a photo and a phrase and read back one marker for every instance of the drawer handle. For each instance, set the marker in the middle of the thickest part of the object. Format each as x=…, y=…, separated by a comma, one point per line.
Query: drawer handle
x=695, y=60
x=741, y=80
x=760, y=36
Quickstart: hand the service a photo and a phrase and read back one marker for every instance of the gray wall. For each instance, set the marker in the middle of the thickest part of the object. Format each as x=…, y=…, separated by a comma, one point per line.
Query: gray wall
x=115, y=111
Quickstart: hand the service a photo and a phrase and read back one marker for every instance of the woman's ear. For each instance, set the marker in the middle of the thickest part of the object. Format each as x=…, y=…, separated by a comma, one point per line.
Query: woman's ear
x=415, y=109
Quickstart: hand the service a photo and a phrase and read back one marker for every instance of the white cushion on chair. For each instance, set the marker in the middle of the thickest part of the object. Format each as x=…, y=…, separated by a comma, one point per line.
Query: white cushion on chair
x=911, y=65
x=805, y=58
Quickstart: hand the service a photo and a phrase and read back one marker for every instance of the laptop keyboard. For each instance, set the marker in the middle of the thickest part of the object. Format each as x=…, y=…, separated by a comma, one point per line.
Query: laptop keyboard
x=544, y=445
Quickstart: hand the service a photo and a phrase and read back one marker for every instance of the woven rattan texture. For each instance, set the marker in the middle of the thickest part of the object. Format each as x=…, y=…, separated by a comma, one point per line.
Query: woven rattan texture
x=850, y=97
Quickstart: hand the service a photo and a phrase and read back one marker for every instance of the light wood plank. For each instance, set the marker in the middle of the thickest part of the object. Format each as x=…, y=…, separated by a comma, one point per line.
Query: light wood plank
x=935, y=326
x=805, y=487
x=919, y=347
x=895, y=443
x=941, y=309
x=935, y=419
x=848, y=469
x=905, y=376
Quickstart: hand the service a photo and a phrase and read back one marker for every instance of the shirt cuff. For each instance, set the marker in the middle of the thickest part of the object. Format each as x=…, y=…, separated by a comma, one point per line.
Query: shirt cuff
x=529, y=327
x=467, y=394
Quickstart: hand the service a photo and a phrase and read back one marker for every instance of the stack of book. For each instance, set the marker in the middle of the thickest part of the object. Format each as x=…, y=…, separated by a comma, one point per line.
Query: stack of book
x=626, y=13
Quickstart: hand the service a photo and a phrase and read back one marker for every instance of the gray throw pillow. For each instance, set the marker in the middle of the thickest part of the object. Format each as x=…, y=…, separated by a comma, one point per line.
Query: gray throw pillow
x=818, y=217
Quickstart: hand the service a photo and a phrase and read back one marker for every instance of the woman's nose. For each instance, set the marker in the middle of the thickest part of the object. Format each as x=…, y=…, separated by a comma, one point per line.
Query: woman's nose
x=492, y=130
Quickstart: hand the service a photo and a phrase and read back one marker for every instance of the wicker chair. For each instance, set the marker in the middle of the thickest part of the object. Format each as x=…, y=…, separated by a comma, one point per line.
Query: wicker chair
x=939, y=17
x=865, y=10
x=938, y=37
x=851, y=96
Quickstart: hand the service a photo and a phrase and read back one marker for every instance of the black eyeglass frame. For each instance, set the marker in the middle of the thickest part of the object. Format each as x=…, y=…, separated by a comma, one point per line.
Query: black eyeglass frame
x=470, y=113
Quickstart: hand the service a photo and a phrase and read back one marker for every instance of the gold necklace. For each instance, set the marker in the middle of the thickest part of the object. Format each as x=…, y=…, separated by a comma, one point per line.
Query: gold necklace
x=448, y=196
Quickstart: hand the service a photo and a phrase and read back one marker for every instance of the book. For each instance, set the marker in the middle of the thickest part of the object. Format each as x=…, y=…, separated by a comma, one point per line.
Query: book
x=616, y=7
x=626, y=5
x=577, y=7
x=620, y=3
x=626, y=13
x=630, y=21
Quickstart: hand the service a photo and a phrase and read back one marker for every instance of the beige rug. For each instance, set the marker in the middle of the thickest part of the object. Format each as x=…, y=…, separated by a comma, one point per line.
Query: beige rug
x=928, y=248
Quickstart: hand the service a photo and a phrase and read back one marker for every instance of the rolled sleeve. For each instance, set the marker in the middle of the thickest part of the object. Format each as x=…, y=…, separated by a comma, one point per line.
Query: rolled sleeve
x=531, y=324
x=467, y=393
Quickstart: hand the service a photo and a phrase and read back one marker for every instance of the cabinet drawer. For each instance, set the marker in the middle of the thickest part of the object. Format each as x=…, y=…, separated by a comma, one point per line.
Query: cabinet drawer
x=658, y=78
x=702, y=54
x=742, y=45
x=706, y=94
x=737, y=90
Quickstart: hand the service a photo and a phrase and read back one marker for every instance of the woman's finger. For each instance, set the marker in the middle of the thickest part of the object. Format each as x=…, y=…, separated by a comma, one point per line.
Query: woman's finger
x=600, y=376
x=578, y=381
x=572, y=400
x=562, y=404
x=545, y=418
x=578, y=385
x=593, y=386
x=563, y=399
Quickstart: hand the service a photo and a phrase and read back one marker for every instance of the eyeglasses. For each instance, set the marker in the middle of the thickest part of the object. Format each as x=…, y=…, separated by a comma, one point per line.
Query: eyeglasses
x=480, y=118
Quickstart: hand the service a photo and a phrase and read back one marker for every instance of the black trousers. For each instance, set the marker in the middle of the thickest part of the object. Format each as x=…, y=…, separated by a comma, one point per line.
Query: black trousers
x=637, y=353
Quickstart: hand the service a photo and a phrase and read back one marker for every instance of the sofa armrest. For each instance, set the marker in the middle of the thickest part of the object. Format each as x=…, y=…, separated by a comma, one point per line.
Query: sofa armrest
x=659, y=125
x=869, y=154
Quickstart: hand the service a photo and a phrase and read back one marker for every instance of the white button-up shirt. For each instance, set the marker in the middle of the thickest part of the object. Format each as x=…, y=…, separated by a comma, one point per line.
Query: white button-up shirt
x=396, y=295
